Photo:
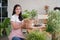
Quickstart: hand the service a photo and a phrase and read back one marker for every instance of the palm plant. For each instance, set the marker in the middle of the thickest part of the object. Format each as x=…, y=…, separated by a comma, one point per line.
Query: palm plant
x=3, y=26
x=53, y=23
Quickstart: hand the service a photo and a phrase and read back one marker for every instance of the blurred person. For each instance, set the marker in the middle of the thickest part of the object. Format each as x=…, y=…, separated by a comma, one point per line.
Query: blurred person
x=16, y=22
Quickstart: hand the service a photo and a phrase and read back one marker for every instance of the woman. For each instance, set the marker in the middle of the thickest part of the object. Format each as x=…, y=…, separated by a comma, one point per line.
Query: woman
x=16, y=22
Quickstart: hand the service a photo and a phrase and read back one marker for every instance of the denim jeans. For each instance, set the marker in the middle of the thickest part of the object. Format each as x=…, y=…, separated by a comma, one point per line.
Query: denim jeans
x=17, y=38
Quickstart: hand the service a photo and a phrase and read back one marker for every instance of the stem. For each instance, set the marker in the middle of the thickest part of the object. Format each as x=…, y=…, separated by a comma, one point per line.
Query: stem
x=54, y=36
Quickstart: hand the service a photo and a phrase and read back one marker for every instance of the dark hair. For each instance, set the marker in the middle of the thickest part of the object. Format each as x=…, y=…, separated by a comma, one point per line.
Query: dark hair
x=20, y=15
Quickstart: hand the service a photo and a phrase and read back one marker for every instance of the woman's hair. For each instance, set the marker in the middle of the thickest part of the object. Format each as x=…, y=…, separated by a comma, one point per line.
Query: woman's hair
x=20, y=15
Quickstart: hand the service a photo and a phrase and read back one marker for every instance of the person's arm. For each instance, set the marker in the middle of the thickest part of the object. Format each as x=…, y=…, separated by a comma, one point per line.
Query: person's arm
x=15, y=25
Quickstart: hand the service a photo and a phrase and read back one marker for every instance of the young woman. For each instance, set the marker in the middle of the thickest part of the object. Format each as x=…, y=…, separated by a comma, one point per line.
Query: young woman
x=16, y=22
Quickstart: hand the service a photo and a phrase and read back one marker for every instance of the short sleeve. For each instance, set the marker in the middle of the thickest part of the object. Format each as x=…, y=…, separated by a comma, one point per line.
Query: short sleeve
x=12, y=18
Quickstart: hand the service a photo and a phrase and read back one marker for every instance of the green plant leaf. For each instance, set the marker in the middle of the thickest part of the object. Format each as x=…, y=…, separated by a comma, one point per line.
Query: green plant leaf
x=53, y=23
x=36, y=35
x=29, y=14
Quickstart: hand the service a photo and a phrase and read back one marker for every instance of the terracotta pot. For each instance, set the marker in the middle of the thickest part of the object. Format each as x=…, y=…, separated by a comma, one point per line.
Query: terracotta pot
x=28, y=23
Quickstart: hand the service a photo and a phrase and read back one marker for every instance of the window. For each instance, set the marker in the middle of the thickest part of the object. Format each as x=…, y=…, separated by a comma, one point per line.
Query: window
x=4, y=12
x=3, y=9
x=4, y=2
x=0, y=1
x=0, y=12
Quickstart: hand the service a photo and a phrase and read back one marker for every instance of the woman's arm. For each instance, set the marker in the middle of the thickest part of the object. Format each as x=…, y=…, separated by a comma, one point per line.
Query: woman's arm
x=15, y=25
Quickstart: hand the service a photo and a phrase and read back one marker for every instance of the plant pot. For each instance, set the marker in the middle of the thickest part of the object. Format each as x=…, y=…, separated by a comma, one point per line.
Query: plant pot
x=28, y=23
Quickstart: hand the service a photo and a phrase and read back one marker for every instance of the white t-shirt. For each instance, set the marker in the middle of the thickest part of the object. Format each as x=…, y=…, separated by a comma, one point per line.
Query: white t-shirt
x=15, y=18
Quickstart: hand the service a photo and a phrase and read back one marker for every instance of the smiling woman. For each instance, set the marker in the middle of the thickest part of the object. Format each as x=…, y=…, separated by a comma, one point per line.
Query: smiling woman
x=16, y=22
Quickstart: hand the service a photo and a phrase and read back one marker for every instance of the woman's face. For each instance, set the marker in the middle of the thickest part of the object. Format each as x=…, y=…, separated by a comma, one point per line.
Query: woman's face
x=18, y=10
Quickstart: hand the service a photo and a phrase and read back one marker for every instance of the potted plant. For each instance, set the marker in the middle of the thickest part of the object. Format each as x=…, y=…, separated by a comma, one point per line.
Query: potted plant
x=29, y=14
x=36, y=35
x=53, y=24
x=4, y=26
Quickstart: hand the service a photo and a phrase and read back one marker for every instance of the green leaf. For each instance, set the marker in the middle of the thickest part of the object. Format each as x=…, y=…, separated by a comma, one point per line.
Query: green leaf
x=36, y=35
x=53, y=23
x=29, y=14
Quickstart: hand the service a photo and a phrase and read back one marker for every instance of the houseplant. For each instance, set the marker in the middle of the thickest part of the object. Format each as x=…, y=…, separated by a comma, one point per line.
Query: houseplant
x=29, y=14
x=3, y=26
x=53, y=24
x=36, y=35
